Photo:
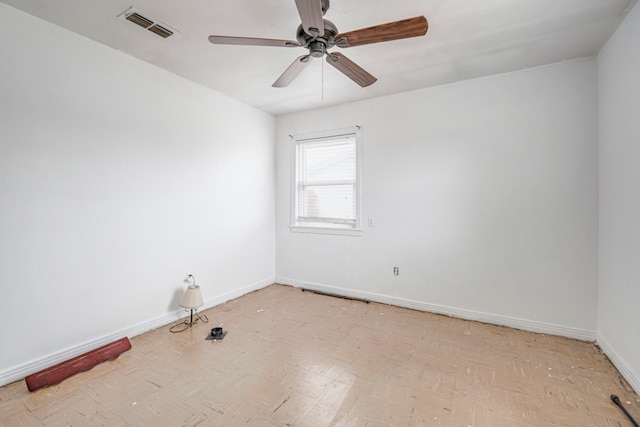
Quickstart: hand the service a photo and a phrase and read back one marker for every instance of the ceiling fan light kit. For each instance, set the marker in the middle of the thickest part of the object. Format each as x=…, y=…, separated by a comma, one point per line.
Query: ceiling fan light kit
x=318, y=35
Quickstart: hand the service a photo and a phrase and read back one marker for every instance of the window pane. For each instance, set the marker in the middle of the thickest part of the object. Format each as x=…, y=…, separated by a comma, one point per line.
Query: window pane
x=329, y=162
x=326, y=182
x=328, y=201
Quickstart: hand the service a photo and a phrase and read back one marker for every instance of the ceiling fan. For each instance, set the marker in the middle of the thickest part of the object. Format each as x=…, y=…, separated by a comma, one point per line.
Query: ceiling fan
x=318, y=34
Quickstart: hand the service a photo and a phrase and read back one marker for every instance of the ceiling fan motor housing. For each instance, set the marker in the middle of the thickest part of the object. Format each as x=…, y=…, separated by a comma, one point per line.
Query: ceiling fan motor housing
x=318, y=45
x=316, y=49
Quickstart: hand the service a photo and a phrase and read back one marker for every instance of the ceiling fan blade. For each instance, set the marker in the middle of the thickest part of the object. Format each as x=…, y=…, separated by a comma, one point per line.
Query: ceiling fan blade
x=252, y=41
x=310, y=12
x=412, y=27
x=350, y=69
x=292, y=71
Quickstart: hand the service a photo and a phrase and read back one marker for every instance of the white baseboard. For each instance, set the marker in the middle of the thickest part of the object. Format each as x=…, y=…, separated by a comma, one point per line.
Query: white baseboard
x=495, y=319
x=19, y=372
x=619, y=363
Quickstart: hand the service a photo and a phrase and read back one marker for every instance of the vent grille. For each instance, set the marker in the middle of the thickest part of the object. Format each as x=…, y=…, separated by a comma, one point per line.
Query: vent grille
x=136, y=18
x=160, y=30
x=147, y=23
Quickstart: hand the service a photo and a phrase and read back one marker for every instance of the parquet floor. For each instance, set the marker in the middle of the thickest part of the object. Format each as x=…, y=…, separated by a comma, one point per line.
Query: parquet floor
x=294, y=358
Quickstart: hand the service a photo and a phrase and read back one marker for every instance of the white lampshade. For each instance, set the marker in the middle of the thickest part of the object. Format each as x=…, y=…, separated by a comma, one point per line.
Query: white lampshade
x=192, y=297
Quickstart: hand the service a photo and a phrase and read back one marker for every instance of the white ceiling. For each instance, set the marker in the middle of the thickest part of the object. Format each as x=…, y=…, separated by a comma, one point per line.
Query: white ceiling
x=466, y=39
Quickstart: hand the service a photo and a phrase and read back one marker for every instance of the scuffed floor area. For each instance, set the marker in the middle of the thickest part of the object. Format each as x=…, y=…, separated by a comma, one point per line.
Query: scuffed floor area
x=294, y=358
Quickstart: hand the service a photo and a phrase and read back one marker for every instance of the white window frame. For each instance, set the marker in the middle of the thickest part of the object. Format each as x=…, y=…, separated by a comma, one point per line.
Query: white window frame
x=321, y=227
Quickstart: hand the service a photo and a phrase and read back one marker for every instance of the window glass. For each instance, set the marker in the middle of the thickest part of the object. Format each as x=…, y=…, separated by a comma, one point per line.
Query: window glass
x=326, y=184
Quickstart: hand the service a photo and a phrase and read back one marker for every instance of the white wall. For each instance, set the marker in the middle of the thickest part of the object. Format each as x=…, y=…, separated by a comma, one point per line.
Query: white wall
x=483, y=193
x=116, y=180
x=619, y=158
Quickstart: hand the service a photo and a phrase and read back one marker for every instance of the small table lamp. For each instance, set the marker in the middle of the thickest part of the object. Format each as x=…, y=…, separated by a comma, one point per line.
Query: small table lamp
x=191, y=300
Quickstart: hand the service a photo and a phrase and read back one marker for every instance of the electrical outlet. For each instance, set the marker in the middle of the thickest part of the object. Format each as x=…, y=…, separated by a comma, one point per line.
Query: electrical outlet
x=396, y=271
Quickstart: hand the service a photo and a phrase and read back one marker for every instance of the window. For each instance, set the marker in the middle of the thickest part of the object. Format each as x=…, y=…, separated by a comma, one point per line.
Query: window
x=326, y=182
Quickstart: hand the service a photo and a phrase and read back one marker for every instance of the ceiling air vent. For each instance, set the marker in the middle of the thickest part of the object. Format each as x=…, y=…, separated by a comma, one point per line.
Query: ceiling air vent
x=160, y=30
x=147, y=23
x=136, y=18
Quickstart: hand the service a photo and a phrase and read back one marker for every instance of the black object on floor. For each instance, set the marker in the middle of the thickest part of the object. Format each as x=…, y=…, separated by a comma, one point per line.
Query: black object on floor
x=216, y=334
x=617, y=402
x=328, y=294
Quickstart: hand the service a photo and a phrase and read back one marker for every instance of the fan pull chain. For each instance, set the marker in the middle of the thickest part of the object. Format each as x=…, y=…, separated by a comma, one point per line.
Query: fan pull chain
x=322, y=85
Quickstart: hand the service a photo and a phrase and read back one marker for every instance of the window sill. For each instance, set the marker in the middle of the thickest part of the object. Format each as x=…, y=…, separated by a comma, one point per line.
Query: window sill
x=325, y=230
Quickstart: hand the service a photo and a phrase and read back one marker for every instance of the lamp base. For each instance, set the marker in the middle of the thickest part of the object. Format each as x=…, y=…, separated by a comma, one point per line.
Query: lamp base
x=179, y=327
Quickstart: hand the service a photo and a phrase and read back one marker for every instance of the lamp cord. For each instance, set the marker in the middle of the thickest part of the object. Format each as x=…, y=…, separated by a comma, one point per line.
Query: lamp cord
x=183, y=326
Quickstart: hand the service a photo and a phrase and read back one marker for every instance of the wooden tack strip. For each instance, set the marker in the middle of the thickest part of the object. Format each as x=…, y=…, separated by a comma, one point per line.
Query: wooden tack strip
x=57, y=373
